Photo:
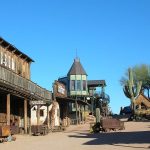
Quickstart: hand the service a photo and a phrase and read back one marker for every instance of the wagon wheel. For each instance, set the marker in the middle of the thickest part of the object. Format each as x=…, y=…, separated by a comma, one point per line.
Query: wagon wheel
x=114, y=129
x=107, y=130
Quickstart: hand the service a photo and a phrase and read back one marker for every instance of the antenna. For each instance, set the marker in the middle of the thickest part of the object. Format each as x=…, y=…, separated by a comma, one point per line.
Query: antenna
x=76, y=53
x=77, y=58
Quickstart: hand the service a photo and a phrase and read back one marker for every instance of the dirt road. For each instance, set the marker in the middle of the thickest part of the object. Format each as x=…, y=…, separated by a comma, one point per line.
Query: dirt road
x=135, y=136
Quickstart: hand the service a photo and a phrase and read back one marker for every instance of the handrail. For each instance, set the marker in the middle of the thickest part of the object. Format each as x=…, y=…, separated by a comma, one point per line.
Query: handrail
x=11, y=78
x=102, y=95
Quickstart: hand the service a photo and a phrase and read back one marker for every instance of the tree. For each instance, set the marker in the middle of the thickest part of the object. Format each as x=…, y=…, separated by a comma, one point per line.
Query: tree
x=132, y=89
x=140, y=73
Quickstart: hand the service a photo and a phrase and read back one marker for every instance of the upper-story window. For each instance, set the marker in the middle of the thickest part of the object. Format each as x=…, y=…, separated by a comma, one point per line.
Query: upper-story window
x=72, y=84
x=9, y=62
x=84, y=85
x=13, y=64
x=3, y=59
x=78, y=85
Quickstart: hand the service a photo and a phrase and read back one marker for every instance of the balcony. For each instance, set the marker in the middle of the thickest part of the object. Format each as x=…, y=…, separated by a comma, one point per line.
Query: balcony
x=103, y=96
x=22, y=87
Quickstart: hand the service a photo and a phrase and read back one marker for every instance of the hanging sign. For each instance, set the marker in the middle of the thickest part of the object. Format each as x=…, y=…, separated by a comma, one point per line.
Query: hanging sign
x=59, y=89
x=37, y=102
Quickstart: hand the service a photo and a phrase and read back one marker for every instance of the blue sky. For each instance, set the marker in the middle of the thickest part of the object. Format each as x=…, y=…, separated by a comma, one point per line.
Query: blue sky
x=109, y=35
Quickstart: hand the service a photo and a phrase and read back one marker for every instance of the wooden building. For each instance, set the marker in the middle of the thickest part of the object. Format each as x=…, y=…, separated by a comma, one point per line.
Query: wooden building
x=142, y=104
x=17, y=91
x=80, y=91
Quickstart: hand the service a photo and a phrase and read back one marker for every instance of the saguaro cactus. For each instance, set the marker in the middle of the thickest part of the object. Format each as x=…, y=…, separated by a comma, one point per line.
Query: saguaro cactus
x=132, y=90
x=98, y=116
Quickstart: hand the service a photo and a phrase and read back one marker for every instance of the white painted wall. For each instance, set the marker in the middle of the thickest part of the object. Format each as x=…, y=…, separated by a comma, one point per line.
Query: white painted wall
x=56, y=117
x=34, y=116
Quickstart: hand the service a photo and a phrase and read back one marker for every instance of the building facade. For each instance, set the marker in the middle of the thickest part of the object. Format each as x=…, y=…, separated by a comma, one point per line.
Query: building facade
x=83, y=90
x=17, y=91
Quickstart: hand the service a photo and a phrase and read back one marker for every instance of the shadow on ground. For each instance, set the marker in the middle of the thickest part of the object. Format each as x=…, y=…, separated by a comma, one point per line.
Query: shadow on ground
x=112, y=138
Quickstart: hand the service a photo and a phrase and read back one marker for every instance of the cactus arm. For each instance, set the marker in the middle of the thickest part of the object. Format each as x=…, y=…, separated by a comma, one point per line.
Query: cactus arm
x=98, y=117
x=139, y=85
x=126, y=91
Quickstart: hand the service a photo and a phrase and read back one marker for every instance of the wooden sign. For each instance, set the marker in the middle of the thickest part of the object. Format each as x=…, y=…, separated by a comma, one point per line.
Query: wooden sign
x=59, y=89
x=37, y=102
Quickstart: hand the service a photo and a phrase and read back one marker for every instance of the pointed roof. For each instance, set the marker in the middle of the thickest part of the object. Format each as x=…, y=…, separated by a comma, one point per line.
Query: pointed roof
x=76, y=68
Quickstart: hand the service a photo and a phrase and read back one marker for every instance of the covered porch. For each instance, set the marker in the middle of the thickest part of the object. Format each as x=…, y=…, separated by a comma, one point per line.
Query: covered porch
x=16, y=93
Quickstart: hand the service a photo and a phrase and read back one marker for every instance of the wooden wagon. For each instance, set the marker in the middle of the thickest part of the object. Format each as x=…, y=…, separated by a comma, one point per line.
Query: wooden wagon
x=5, y=131
x=108, y=124
x=39, y=129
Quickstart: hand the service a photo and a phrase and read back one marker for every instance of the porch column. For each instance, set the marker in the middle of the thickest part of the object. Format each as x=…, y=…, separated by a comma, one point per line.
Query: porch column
x=30, y=119
x=92, y=105
x=48, y=119
x=8, y=109
x=84, y=114
x=38, y=114
x=68, y=122
x=79, y=113
x=76, y=104
x=25, y=115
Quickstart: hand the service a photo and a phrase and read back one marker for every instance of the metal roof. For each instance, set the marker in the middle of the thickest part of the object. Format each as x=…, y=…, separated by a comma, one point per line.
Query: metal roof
x=77, y=68
x=96, y=83
x=12, y=48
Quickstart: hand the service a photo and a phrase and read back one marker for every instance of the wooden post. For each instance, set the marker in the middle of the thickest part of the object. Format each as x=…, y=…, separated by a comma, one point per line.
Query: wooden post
x=8, y=109
x=30, y=120
x=84, y=113
x=68, y=122
x=48, y=119
x=92, y=105
x=38, y=114
x=25, y=116
x=76, y=110
x=79, y=113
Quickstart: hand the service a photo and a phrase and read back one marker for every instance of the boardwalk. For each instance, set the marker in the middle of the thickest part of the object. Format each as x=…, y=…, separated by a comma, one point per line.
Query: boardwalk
x=135, y=136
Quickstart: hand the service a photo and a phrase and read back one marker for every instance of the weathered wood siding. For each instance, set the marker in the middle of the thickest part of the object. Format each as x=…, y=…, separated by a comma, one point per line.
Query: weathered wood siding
x=14, y=62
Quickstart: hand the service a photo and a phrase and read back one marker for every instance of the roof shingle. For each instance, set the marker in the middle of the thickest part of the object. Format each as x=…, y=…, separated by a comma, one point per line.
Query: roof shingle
x=76, y=68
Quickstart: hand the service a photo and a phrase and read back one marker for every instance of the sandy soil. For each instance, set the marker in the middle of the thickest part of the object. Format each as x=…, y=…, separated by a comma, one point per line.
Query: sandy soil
x=135, y=136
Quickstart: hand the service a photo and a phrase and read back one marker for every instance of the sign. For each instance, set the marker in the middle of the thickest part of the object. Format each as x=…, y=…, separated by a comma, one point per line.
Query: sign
x=37, y=102
x=59, y=89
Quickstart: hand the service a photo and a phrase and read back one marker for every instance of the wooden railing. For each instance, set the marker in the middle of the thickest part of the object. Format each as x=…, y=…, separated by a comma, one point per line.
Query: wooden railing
x=14, y=80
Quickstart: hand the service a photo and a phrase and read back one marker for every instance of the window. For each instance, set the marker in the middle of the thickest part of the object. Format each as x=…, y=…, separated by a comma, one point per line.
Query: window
x=41, y=112
x=1, y=57
x=4, y=59
x=72, y=84
x=9, y=62
x=13, y=64
x=20, y=67
x=84, y=85
x=73, y=105
x=78, y=85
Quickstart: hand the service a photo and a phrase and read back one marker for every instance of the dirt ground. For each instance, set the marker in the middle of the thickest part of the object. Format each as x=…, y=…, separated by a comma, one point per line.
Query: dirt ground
x=135, y=136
